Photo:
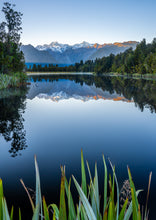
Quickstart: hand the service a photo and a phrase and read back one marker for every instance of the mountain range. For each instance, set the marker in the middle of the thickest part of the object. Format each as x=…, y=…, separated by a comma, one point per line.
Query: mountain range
x=70, y=54
x=67, y=89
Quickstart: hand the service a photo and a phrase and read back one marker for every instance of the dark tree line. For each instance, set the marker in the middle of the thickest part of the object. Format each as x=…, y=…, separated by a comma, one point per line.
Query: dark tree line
x=142, y=60
x=11, y=58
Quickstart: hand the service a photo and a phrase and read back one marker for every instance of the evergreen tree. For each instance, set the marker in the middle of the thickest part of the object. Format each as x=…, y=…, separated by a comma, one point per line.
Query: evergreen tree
x=11, y=58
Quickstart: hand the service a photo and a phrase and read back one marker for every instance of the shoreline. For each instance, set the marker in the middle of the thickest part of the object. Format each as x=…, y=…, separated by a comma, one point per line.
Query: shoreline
x=129, y=76
x=57, y=73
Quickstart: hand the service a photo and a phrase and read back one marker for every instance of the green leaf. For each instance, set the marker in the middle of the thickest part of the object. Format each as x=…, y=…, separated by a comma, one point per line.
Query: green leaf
x=54, y=216
x=62, y=209
x=134, y=205
x=117, y=186
x=20, y=215
x=130, y=209
x=105, y=185
x=134, y=196
x=45, y=208
x=1, y=197
x=87, y=207
x=5, y=210
x=83, y=175
x=110, y=212
x=36, y=213
x=123, y=210
x=83, y=214
x=105, y=215
x=95, y=195
x=38, y=189
x=12, y=211
x=55, y=209
x=71, y=207
x=139, y=213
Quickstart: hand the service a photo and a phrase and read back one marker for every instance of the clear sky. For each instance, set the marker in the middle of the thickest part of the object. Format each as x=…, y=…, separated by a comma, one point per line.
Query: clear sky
x=74, y=21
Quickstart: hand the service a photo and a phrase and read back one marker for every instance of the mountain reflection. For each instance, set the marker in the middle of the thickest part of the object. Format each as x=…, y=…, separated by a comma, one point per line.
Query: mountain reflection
x=12, y=107
x=85, y=87
x=81, y=87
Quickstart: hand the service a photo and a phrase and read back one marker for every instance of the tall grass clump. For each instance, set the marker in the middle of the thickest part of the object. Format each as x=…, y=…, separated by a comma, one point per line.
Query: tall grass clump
x=14, y=80
x=89, y=204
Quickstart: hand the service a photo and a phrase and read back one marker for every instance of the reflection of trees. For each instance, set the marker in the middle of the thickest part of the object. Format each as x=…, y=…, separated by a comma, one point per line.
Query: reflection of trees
x=143, y=92
x=11, y=120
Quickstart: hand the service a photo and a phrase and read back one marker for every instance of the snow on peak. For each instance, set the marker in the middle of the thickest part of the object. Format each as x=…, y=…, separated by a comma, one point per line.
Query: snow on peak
x=58, y=47
x=84, y=44
x=54, y=46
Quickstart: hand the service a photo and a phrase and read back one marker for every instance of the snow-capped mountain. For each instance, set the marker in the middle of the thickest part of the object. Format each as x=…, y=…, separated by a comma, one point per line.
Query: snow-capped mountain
x=58, y=47
x=54, y=46
x=70, y=54
x=84, y=44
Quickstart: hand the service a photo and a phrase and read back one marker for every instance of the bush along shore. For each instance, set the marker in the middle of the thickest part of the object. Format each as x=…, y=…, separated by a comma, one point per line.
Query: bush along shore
x=11, y=57
x=14, y=80
x=117, y=205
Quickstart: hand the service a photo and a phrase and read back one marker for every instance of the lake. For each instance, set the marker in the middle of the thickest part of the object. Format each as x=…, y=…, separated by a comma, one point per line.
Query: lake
x=58, y=115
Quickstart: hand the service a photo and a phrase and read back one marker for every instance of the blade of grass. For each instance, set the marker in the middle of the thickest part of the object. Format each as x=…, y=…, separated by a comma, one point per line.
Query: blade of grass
x=5, y=210
x=130, y=209
x=36, y=213
x=55, y=209
x=45, y=208
x=12, y=211
x=139, y=213
x=134, y=205
x=20, y=218
x=87, y=207
x=62, y=209
x=149, y=184
x=92, y=192
x=96, y=187
x=1, y=197
x=105, y=185
x=117, y=186
x=38, y=189
x=71, y=207
x=83, y=175
x=110, y=212
x=123, y=210
x=32, y=204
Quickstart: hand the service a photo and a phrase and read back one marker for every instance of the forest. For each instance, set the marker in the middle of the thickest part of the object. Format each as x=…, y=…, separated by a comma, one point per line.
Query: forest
x=142, y=60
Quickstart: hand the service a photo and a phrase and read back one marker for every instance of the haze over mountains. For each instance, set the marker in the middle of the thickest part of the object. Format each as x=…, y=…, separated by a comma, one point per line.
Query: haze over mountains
x=70, y=54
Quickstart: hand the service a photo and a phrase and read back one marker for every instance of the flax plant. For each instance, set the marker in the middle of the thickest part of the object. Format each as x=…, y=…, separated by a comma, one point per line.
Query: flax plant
x=89, y=205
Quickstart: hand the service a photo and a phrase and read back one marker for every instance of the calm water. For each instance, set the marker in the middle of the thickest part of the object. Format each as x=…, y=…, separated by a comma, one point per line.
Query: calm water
x=56, y=116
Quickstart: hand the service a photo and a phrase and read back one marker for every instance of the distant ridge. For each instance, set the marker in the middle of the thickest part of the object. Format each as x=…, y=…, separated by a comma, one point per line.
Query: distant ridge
x=64, y=53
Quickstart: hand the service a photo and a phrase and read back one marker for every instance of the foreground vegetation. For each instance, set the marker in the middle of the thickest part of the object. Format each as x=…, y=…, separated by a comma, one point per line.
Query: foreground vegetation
x=142, y=60
x=13, y=80
x=116, y=205
x=11, y=58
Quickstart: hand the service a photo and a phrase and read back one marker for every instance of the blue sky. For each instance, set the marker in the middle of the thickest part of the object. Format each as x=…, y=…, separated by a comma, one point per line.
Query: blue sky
x=101, y=21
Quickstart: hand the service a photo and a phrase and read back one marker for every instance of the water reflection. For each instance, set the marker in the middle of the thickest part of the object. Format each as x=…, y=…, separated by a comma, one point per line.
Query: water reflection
x=82, y=87
x=56, y=132
x=142, y=92
x=12, y=107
